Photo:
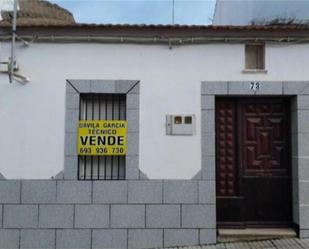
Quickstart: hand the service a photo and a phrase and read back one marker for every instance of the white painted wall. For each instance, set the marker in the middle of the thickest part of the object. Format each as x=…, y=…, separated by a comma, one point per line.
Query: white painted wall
x=32, y=116
x=243, y=12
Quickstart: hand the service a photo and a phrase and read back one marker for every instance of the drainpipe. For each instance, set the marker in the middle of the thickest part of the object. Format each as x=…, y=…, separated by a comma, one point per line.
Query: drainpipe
x=12, y=62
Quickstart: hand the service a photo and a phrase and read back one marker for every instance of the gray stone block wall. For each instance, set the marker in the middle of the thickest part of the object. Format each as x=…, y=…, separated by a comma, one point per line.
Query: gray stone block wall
x=112, y=214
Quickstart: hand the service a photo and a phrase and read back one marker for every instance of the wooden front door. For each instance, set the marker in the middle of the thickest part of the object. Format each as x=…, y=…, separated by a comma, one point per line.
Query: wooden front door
x=253, y=166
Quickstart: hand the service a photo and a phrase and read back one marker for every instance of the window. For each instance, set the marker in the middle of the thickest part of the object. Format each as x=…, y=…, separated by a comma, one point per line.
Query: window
x=102, y=107
x=255, y=56
x=188, y=120
x=178, y=120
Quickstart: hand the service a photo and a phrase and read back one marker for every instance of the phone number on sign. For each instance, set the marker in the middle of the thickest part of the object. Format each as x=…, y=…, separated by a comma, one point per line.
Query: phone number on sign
x=101, y=150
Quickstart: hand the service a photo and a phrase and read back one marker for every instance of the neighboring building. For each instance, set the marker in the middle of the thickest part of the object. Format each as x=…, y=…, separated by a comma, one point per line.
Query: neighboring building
x=247, y=12
x=217, y=134
x=34, y=12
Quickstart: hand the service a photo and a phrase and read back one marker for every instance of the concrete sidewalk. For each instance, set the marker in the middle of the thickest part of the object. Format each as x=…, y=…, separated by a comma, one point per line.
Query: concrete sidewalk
x=292, y=243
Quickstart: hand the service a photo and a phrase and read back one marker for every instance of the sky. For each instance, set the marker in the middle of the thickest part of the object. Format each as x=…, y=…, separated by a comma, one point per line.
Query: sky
x=198, y=12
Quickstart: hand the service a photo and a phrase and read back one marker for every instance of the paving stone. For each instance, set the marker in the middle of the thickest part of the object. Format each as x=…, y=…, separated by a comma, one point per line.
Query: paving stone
x=287, y=244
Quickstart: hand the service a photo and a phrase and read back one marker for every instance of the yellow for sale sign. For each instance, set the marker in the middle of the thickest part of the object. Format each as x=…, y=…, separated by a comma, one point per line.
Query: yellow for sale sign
x=102, y=137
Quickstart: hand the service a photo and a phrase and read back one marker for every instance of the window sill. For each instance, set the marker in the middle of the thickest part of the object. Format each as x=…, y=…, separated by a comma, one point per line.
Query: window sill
x=254, y=71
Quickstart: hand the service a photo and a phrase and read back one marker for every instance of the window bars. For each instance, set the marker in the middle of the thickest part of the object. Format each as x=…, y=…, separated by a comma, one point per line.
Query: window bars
x=102, y=107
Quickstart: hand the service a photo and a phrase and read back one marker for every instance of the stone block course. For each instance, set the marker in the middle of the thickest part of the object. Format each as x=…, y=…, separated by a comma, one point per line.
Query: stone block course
x=91, y=216
x=71, y=120
x=145, y=238
x=38, y=191
x=133, y=143
x=10, y=191
x=303, y=192
x=208, y=122
x=208, y=168
x=304, y=233
x=303, y=143
x=127, y=86
x=132, y=101
x=207, y=192
x=207, y=102
x=208, y=236
x=72, y=100
x=132, y=168
x=303, y=121
x=181, y=237
x=145, y=191
x=9, y=239
x=70, y=169
x=47, y=223
x=135, y=87
x=244, y=88
x=303, y=168
x=103, y=86
x=73, y=239
x=1, y=216
x=20, y=216
x=208, y=144
x=127, y=216
x=40, y=239
x=70, y=89
x=70, y=144
x=109, y=239
x=74, y=191
x=110, y=192
x=133, y=120
x=303, y=102
x=198, y=216
x=163, y=216
x=306, y=90
x=82, y=86
x=180, y=191
x=304, y=217
x=218, y=87
x=293, y=88
x=56, y=216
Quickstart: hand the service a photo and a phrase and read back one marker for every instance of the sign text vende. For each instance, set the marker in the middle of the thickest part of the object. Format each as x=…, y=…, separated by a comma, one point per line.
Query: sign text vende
x=102, y=137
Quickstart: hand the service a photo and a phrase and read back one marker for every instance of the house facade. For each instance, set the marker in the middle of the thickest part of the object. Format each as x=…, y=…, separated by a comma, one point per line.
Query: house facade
x=247, y=12
x=215, y=126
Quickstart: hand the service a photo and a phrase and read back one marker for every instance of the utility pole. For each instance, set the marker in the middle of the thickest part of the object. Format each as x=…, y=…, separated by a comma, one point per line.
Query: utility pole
x=12, y=62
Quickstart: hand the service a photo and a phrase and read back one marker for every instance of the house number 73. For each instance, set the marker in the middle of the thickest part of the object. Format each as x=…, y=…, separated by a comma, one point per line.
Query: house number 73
x=255, y=86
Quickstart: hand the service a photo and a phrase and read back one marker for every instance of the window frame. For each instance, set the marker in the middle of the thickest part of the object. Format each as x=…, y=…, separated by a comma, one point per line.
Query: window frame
x=262, y=61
